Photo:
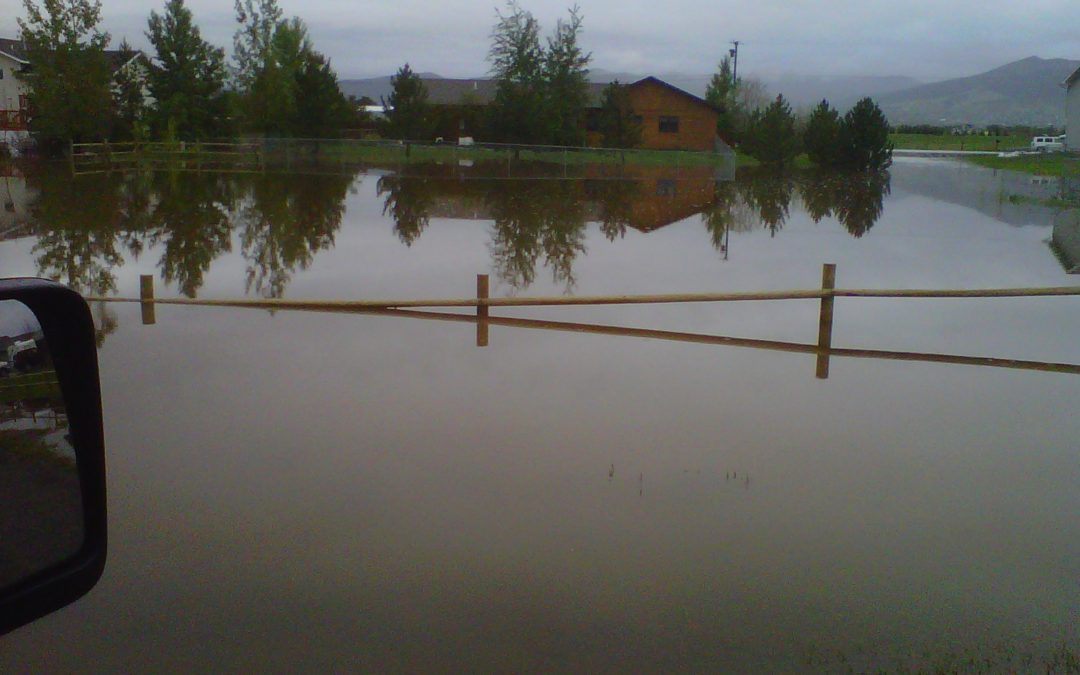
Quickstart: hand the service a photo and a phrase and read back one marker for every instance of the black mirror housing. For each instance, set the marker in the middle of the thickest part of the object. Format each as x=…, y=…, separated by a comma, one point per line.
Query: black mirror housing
x=68, y=329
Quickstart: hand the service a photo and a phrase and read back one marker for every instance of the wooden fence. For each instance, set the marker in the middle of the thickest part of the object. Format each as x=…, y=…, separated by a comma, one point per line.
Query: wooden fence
x=822, y=349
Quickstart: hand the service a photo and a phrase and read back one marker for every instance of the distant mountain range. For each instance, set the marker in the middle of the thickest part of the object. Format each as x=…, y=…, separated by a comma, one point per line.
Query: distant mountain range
x=1023, y=92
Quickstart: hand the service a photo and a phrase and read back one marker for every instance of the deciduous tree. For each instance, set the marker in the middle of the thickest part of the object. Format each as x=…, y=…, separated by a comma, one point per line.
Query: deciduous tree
x=566, y=82
x=70, y=92
x=518, y=113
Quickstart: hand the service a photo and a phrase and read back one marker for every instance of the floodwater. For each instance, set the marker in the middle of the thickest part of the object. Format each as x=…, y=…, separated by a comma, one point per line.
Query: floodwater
x=331, y=491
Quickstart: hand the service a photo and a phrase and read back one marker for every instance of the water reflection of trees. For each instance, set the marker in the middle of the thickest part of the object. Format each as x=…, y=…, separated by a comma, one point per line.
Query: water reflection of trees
x=855, y=199
x=284, y=221
x=78, y=244
x=408, y=202
x=192, y=221
x=86, y=225
x=763, y=198
x=538, y=218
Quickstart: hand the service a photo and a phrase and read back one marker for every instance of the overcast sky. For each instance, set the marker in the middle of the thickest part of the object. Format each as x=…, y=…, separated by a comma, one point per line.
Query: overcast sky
x=924, y=39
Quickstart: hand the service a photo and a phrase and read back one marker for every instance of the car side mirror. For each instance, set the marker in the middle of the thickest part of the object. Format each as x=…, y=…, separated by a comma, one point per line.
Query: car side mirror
x=52, y=451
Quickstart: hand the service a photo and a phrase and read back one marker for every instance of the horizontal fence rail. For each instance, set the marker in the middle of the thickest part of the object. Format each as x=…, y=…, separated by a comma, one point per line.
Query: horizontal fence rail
x=823, y=350
x=279, y=303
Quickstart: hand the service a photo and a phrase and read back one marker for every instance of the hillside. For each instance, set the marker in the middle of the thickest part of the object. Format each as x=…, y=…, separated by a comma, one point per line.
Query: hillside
x=1023, y=92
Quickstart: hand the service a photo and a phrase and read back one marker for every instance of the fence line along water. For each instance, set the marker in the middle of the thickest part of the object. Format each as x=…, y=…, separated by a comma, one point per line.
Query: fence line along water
x=264, y=153
x=482, y=303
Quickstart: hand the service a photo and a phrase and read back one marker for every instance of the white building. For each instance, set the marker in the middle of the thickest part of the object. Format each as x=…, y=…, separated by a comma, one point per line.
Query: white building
x=14, y=99
x=1072, y=111
x=13, y=91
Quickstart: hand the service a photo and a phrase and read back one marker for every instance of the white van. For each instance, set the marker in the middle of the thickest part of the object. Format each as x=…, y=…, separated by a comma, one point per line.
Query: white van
x=1048, y=143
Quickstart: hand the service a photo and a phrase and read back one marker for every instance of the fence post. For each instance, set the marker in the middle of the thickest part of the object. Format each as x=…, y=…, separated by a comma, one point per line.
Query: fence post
x=146, y=294
x=481, y=310
x=828, y=283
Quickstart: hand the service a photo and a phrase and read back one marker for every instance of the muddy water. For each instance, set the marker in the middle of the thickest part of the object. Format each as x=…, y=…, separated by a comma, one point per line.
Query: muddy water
x=331, y=491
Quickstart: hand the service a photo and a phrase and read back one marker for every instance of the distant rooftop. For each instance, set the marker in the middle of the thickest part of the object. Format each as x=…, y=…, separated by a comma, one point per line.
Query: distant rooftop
x=17, y=50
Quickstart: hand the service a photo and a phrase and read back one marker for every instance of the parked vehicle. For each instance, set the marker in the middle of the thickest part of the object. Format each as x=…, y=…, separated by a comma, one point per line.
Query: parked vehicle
x=24, y=356
x=1048, y=143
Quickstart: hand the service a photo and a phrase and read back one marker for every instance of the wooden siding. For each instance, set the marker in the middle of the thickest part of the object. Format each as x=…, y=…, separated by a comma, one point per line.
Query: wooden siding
x=697, y=121
x=1072, y=116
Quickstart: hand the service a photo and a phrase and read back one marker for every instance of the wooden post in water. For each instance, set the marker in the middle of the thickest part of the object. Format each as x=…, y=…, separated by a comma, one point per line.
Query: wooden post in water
x=824, y=335
x=146, y=294
x=481, y=311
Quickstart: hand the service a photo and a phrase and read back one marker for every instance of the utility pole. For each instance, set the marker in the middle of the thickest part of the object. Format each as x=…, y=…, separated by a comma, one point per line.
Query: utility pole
x=735, y=67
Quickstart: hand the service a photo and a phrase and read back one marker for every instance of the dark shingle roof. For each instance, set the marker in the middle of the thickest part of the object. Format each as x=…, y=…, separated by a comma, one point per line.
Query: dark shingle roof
x=115, y=57
x=13, y=48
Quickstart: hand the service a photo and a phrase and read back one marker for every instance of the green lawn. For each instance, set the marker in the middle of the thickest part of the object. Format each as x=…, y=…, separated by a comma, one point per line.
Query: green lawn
x=935, y=142
x=1053, y=164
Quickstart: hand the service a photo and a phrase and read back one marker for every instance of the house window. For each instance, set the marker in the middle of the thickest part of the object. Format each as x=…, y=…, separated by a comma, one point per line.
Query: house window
x=669, y=124
x=1, y=73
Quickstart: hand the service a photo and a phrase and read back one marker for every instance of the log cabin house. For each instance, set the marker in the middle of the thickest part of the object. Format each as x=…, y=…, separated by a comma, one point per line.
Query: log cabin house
x=671, y=119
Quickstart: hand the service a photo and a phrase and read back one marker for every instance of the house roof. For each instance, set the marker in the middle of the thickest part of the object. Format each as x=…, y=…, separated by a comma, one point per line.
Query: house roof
x=1070, y=80
x=681, y=92
x=115, y=57
x=14, y=49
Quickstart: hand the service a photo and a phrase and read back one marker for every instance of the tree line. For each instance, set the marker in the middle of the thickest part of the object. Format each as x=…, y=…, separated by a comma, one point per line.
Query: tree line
x=541, y=91
x=277, y=83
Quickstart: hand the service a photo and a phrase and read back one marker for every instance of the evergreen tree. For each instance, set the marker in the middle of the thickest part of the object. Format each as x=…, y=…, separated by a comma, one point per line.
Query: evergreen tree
x=618, y=125
x=70, y=82
x=770, y=136
x=720, y=94
x=864, y=138
x=407, y=113
x=189, y=77
x=822, y=136
x=322, y=111
x=566, y=82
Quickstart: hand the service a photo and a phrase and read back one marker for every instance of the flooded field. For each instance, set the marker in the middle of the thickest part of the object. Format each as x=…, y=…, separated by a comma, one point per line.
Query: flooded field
x=331, y=491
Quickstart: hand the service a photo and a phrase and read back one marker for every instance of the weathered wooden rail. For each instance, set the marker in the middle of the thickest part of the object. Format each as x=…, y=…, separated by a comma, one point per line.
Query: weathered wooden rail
x=482, y=303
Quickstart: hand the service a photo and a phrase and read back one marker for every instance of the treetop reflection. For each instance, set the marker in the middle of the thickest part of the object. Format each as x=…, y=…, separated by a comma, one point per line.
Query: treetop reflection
x=87, y=226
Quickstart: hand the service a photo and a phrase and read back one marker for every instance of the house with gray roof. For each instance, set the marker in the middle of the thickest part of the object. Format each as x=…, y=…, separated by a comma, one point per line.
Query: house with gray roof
x=1072, y=111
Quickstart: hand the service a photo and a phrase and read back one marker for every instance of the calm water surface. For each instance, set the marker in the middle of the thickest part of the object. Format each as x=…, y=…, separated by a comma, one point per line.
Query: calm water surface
x=300, y=490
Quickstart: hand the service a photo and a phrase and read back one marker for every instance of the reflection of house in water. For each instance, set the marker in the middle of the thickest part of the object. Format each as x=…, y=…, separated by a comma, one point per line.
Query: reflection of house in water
x=645, y=198
x=665, y=195
x=16, y=198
